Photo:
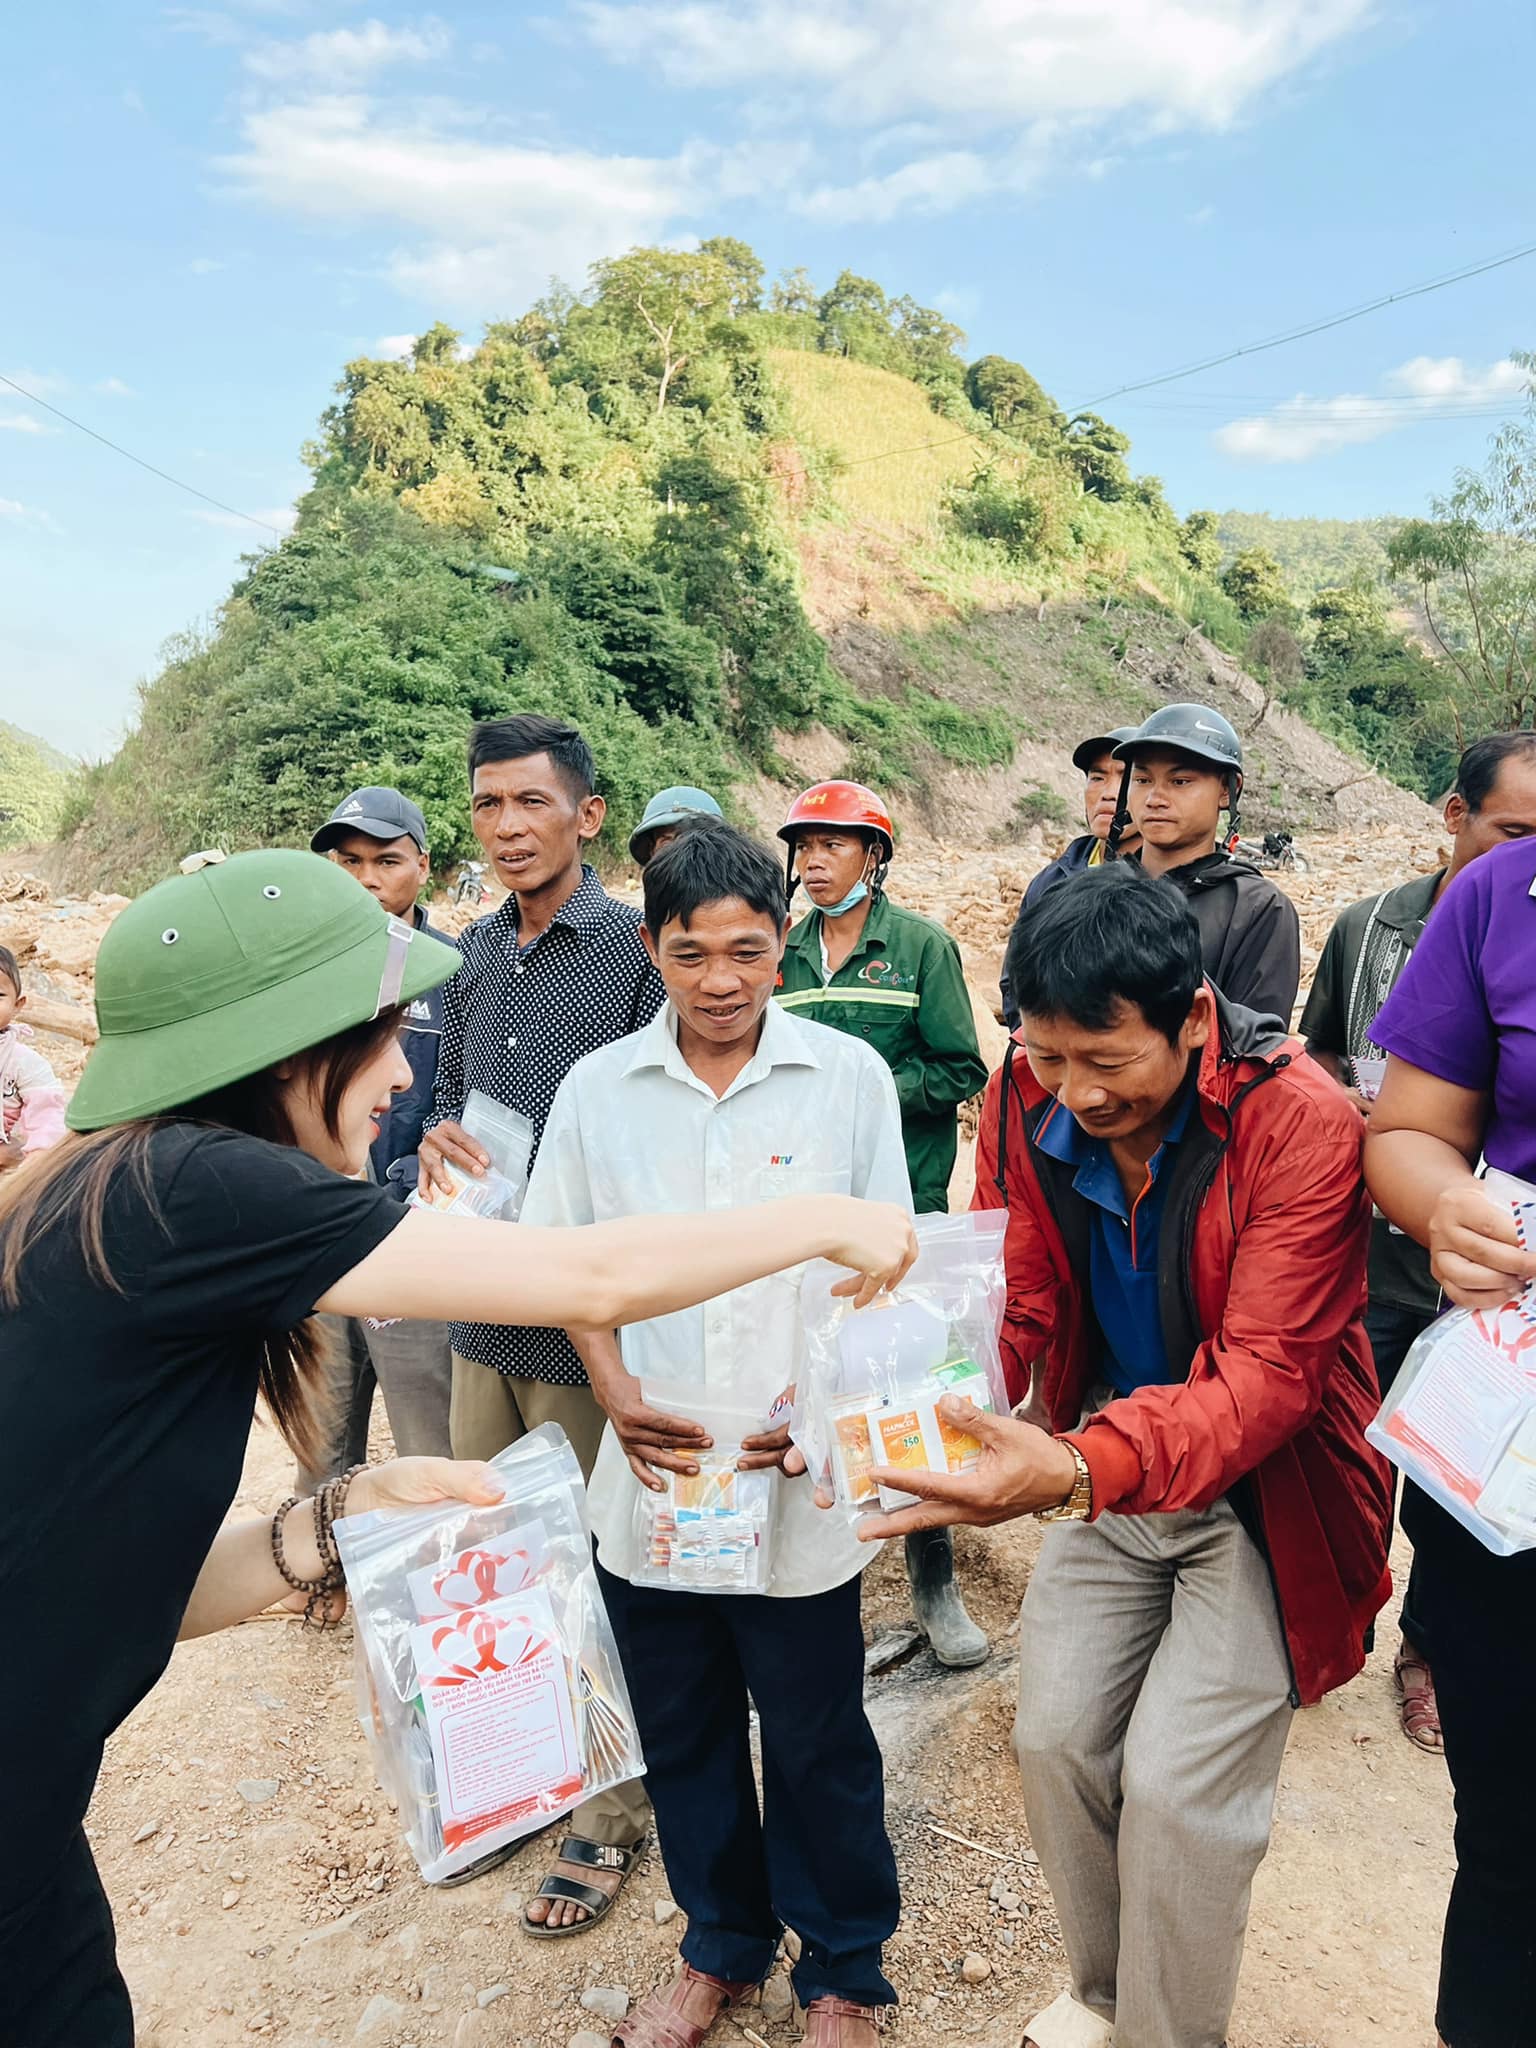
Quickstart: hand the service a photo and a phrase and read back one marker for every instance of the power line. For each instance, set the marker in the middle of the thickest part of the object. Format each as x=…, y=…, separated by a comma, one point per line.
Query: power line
x=164, y=474
x=1252, y=348
x=1256, y=348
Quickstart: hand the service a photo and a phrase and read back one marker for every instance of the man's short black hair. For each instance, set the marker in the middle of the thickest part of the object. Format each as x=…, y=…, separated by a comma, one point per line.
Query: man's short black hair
x=527, y=732
x=1107, y=936
x=11, y=972
x=1478, y=769
x=709, y=866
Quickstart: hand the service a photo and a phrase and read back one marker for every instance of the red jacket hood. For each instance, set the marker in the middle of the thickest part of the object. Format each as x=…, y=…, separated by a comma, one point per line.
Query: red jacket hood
x=1264, y=1248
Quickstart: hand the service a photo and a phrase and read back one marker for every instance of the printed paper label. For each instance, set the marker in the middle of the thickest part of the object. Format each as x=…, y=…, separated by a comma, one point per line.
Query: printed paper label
x=1462, y=1409
x=498, y=1707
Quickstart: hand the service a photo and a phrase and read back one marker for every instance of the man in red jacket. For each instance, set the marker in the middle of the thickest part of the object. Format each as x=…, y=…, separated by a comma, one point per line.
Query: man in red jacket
x=1186, y=1274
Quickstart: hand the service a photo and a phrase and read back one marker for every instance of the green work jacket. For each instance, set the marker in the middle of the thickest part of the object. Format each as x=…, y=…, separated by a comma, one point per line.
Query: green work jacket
x=902, y=990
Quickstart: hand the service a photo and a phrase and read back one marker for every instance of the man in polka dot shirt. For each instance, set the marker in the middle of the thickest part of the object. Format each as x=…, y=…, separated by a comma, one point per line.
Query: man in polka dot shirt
x=558, y=971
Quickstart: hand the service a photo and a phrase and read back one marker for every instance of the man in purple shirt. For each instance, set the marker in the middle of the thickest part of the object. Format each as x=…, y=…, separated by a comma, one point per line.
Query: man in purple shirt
x=1460, y=1033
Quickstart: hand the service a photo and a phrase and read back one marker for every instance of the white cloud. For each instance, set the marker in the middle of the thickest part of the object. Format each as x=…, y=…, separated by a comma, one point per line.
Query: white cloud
x=114, y=387
x=934, y=184
x=1428, y=387
x=346, y=56
x=394, y=348
x=23, y=423
x=45, y=383
x=28, y=515
x=485, y=224
x=994, y=63
x=1448, y=378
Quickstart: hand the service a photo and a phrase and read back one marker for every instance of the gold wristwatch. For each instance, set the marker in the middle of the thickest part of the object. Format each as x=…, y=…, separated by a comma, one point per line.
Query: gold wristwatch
x=1078, y=1505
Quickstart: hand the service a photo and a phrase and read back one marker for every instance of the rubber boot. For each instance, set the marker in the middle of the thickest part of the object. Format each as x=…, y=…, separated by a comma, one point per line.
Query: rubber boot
x=936, y=1604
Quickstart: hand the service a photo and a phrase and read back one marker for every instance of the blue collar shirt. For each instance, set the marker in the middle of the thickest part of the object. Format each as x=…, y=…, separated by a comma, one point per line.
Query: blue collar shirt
x=1124, y=1241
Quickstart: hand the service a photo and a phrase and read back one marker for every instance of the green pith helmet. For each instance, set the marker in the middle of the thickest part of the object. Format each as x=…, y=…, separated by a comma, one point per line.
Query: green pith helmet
x=669, y=807
x=214, y=975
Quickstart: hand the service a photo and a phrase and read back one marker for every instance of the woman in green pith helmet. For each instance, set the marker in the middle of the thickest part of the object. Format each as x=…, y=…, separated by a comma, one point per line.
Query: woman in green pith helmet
x=161, y=1265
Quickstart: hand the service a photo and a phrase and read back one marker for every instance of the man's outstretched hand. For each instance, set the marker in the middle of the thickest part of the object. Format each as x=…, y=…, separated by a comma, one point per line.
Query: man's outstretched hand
x=1021, y=1470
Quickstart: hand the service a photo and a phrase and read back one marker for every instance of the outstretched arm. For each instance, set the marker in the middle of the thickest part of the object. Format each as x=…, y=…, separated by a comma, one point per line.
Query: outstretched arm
x=466, y=1269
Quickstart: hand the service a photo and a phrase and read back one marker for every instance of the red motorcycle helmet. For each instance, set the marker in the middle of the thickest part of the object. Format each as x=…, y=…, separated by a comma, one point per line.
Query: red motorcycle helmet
x=848, y=806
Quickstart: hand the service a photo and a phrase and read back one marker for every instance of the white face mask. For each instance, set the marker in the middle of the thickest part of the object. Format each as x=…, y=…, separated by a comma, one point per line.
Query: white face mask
x=851, y=901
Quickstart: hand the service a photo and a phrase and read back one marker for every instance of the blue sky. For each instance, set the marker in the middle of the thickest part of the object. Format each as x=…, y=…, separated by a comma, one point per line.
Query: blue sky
x=211, y=209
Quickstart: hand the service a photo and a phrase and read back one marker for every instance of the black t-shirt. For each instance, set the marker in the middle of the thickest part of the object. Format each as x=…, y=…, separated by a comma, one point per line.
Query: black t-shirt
x=123, y=1424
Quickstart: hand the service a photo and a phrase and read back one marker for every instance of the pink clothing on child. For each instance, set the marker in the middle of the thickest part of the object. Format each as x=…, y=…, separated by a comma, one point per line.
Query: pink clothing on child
x=31, y=1096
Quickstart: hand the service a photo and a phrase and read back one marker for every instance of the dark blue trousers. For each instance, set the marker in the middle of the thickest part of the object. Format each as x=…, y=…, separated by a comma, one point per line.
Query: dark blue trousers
x=816, y=1857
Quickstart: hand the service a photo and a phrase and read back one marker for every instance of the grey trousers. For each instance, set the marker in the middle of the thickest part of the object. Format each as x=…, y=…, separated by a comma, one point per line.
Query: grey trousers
x=412, y=1366
x=1154, y=1705
x=490, y=1411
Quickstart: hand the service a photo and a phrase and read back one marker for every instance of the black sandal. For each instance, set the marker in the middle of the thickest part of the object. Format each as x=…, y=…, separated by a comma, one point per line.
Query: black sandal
x=597, y=1904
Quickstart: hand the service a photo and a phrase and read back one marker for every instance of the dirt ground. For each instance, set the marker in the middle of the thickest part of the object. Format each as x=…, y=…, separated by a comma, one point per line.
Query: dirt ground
x=262, y=1892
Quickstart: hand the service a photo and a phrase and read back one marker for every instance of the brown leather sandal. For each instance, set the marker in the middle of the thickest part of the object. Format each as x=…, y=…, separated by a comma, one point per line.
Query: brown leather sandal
x=824, y=2019
x=658, y=2022
x=1417, y=1705
x=595, y=1902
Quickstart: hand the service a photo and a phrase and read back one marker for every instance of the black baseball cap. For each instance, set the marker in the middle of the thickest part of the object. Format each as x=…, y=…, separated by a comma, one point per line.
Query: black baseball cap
x=381, y=813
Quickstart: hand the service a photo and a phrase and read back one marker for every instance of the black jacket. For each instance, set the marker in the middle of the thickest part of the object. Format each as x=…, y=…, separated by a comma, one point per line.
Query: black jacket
x=1250, y=935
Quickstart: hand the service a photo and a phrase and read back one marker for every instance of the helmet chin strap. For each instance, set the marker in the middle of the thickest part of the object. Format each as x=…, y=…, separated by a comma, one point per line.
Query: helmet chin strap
x=1122, y=818
x=392, y=978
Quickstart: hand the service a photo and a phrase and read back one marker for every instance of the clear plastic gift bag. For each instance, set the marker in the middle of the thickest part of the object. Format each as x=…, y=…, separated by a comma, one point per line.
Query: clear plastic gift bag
x=710, y=1531
x=489, y=1684
x=1460, y=1419
x=871, y=1379
x=507, y=1136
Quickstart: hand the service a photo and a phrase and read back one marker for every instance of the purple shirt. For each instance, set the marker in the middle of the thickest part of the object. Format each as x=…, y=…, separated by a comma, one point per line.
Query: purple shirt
x=1464, y=1008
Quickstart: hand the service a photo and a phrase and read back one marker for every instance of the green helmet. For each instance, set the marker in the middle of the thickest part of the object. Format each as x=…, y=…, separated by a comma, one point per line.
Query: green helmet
x=669, y=807
x=216, y=974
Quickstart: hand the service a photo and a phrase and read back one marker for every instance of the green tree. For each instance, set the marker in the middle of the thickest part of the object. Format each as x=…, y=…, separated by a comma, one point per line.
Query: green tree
x=854, y=319
x=1011, y=399
x=1200, y=543
x=1255, y=585
x=1097, y=451
x=1474, y=562
x=1349, y=620
x=746, y=271
x=663, y=300
x=794, y=293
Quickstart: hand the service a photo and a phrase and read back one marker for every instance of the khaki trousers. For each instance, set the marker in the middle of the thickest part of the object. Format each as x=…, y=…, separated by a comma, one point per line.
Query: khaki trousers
x=490, y=1410
x=1154, y=1705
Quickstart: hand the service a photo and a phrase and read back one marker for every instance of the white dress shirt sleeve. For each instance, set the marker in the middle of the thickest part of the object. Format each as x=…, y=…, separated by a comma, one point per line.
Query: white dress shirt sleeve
x=560, y=1191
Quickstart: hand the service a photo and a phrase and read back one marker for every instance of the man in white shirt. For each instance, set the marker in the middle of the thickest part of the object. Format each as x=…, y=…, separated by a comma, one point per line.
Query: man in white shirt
x=726, y=1099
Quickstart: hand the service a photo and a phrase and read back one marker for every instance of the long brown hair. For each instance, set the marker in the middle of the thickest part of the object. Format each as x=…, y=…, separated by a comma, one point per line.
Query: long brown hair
x=68, y=1188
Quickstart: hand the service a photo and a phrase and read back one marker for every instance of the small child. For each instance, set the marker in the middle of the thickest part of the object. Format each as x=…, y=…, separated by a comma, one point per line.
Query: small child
x=31, y=1095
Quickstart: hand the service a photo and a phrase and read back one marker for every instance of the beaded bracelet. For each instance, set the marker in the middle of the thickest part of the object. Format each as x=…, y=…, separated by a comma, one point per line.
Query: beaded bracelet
x=329, y=1503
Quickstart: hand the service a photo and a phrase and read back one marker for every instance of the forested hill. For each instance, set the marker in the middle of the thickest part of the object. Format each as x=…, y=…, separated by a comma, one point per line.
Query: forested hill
x=634, y=507
x=1313, y=554
x=33, y=781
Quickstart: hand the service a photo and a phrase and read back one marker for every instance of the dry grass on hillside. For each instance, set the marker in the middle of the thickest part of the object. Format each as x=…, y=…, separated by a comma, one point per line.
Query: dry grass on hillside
x=882, y=427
